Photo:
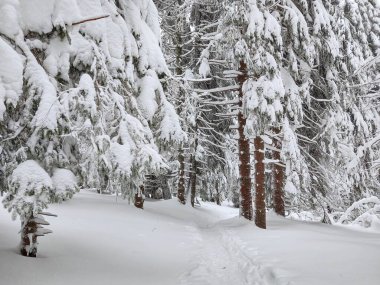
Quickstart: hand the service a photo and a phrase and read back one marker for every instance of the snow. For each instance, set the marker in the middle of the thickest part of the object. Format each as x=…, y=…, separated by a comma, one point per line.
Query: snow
x=98, y=240
x=66, y=12
x=29, y=186
x=262, y=97
x=150, y=89
x=95, y=29
x=9, y=19
x=256, y=20
x=170, y=128
x=38, y=81
x=290, y=188
x=64, y=183
x=149, y=14
x=30, y=174
x=204, y=68
x=150, y=55
x=86, y=84
x=11, y=71
x=43, y=8
x=363, y=213
x=57, y=59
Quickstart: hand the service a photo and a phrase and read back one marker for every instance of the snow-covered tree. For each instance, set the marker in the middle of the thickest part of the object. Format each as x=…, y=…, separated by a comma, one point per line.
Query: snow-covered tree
x=338, y=119
x=30, y=191
x=80, y=91
x=188, y=27
x=252, y=37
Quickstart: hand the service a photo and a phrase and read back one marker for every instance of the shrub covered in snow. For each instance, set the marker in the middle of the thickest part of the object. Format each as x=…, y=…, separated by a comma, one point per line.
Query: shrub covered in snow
x=64, y=184
x=30, y=190
x=365, y=213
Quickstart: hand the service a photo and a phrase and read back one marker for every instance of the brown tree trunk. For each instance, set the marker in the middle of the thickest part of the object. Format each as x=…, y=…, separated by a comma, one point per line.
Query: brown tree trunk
x=139, y=198
x=244, y=154
x=181, y=180
x=278, y=176
x=260, y=217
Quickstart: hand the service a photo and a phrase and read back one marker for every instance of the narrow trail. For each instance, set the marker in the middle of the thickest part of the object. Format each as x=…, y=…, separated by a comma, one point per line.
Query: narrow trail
x=223, y=259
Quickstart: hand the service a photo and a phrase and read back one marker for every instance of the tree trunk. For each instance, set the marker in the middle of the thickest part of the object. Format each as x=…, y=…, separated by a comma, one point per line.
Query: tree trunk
x=139, y=198
x=193, y=175
x=166, y=193
x=217, y=200
x=278, y=176
x=25, y=242
x=181, y=180
x=244, y=154
x=260, y=218
x=28, y=246
x=179, y=71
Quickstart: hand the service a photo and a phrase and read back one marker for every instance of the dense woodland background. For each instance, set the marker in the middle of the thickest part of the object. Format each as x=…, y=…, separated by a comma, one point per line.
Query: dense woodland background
x=268, y=104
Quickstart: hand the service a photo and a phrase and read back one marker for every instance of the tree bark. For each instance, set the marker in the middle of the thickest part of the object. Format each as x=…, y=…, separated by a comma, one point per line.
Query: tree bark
x=217, y=200
x=90, y=19
x=139, y=198
x=28, y=246
x=179, y=71
x=244, y=152
x=193, y=176
x=181, y=180
x=260, y=217
x=278, y=176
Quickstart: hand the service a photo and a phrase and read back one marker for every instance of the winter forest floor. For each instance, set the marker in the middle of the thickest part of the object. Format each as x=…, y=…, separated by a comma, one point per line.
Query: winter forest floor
x=98, y=241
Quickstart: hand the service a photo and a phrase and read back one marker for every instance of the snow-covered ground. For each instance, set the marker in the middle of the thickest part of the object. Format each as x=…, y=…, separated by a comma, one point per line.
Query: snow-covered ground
x=97, y=240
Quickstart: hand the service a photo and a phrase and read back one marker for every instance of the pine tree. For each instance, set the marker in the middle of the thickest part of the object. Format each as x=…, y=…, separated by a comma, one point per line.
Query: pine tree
x=334, y=116
x=195, y=22
x=254, y=37
x=176, y=44
x=84, y=97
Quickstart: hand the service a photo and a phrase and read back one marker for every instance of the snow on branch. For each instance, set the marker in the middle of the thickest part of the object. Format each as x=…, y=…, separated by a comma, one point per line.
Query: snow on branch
x=362, y=212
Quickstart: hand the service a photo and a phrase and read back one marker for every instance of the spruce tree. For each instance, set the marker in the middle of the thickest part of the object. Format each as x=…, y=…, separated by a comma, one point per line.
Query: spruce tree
x=83, y=98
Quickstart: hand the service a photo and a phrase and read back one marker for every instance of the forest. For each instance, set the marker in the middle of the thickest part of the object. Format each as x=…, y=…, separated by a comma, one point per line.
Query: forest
x=238, y=132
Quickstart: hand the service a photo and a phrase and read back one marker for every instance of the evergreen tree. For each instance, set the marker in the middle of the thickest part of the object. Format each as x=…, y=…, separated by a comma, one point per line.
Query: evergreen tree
x=82, y=95
x=253, y=36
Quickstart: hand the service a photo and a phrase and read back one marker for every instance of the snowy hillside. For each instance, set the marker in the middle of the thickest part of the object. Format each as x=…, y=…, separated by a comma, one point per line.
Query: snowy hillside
x=98, y=240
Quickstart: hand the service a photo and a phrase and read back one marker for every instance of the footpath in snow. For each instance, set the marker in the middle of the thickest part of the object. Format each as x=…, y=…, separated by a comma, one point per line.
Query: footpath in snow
x=97, y=240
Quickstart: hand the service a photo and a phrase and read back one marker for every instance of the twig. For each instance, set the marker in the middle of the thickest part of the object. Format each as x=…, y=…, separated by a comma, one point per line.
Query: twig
x=90, y=19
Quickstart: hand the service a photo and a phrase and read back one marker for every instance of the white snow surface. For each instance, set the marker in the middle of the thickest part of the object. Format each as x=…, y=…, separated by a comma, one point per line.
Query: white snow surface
x=98, y=240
